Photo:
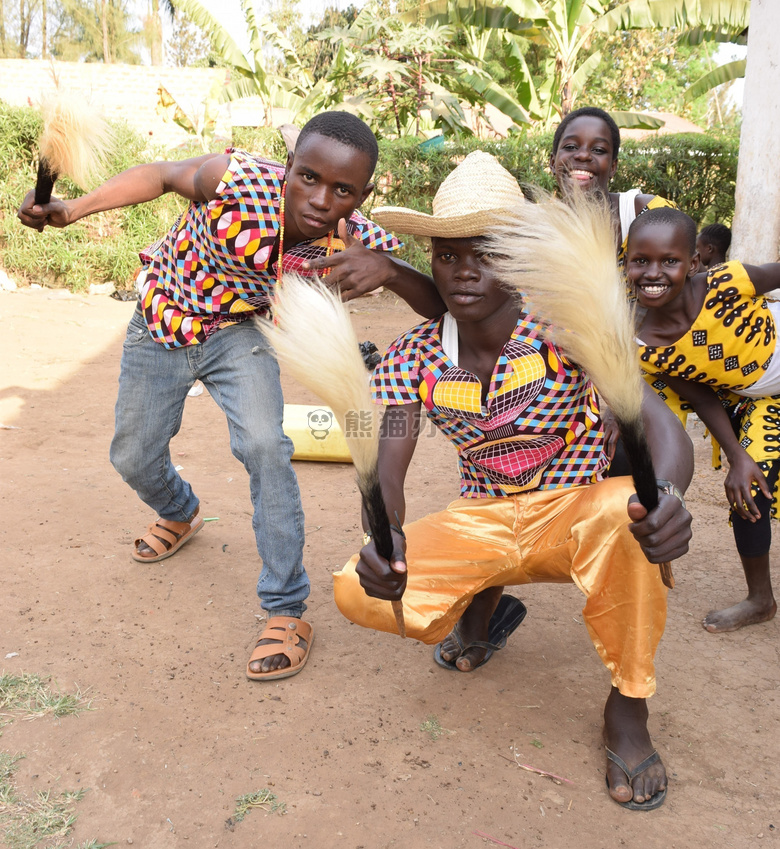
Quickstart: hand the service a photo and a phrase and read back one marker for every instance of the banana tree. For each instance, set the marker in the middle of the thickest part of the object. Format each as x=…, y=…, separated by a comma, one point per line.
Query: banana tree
x=698, y=20
x=248, y=75
x=565, y=27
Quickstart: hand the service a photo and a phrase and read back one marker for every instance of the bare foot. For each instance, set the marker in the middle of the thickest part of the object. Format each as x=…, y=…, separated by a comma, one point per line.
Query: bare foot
x=747, y=612
x=472, y=627
x=626, y=734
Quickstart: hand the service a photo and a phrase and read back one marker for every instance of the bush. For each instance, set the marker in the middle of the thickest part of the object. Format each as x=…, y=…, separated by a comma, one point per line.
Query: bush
x=103, y=247
x=97, y=249
x=266, y=141
x=698, y=172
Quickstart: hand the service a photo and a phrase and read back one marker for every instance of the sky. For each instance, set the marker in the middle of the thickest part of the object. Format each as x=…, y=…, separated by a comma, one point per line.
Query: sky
x=229, y=14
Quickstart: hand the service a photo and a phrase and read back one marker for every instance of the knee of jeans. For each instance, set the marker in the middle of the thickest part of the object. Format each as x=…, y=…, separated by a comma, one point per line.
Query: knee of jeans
x=264, y=448
x=130, y=461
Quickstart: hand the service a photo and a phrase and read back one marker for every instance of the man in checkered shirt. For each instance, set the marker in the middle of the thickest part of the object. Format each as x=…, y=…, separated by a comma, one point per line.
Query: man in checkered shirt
x=200, y=283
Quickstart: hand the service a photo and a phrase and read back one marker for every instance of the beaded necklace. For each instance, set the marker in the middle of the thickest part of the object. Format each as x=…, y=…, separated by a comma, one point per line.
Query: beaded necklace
x=280, y=258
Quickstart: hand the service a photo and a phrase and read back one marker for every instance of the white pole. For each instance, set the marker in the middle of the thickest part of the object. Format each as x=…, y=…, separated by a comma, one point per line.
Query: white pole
x=756, y=230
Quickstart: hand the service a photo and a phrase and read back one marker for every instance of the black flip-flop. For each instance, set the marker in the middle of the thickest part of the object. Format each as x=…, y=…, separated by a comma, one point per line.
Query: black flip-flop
x=654, y=801
x=509, y=613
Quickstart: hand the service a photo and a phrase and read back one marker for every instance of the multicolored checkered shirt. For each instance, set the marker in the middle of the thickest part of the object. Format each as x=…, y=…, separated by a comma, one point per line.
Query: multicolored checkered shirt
x=212, y=268
x=539, y=427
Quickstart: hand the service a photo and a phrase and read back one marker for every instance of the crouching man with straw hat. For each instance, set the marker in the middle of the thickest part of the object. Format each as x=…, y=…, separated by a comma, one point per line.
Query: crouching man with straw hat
x=534, y=506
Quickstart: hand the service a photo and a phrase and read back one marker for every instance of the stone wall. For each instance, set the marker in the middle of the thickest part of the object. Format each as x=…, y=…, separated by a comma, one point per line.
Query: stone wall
x=129, y=92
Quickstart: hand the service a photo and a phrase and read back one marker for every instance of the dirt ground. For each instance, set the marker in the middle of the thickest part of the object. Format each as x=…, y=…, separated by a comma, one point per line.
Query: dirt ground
x=350, y=745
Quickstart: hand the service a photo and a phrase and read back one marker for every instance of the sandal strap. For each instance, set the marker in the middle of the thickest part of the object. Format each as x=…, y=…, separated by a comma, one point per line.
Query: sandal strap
x=287, y=632
x=631, y=774
x=163, y=534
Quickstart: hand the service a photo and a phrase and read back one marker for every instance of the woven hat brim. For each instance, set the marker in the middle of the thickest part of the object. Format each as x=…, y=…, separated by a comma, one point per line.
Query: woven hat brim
x=408, y=221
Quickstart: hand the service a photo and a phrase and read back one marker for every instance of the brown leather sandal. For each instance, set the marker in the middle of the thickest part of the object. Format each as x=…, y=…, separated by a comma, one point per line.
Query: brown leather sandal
x=165, y=537
x=287, y=632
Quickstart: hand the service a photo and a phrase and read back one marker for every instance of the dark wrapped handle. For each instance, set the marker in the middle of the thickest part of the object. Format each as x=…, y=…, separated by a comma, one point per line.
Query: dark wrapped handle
x=44, y=185
x=643, y=475
x=381, y=531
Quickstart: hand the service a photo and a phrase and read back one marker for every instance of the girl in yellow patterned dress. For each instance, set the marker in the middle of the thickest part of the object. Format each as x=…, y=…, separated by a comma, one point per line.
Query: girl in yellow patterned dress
x=708, y=332
x=584, y=157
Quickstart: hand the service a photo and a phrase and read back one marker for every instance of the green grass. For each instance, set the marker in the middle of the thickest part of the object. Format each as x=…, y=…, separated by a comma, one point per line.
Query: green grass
x=29, y=696
x=45, y=818
x=432, y=727
x=264, y=799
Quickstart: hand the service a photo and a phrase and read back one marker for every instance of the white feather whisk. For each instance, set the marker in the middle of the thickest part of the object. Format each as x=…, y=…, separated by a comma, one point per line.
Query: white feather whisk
x=560, y=259
x=313, y=338
x=75, y=142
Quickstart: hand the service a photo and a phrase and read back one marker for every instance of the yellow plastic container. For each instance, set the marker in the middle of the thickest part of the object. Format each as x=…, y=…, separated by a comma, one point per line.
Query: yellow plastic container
x=315, y=433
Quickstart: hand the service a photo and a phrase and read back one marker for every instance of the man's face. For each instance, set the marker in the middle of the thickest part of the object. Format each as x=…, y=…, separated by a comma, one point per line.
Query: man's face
x=463, y=275
x=326, y=181
x=705, y=251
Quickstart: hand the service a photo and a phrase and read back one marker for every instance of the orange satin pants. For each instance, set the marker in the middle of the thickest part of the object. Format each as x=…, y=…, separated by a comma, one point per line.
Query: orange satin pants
x=577, y=534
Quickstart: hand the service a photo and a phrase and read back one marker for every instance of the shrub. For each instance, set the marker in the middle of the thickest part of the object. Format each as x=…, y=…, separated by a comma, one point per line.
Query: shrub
x=695, y=170
x=698, y=172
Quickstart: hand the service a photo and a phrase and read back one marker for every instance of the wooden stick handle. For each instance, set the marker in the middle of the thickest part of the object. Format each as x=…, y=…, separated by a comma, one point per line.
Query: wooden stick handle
x=666, y=574
x=638, y=452
x=398, y=611
x=379, y=525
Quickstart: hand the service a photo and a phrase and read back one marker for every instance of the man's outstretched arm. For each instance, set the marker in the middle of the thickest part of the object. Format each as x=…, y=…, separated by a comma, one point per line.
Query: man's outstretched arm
x=194, y=179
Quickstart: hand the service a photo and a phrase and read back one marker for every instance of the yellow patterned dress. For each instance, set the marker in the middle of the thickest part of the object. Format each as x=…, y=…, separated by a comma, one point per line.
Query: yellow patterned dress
x=731, y=348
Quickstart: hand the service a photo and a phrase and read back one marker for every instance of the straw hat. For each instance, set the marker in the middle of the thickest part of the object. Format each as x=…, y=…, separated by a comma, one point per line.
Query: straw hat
x=475, y=197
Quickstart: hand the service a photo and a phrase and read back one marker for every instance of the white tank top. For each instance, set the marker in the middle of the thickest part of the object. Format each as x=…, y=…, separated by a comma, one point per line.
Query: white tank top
x=627, y=206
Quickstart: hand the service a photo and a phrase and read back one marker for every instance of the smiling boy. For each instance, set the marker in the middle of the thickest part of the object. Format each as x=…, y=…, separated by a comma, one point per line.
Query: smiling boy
x=248, y=219
x=533, y=505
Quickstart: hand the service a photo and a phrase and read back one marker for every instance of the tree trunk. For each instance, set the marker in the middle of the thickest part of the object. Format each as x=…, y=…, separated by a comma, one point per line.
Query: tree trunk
x=104, y=23
x=757, y=215
x=2, y=30
x=22, y=28
x=156, y=45
x=393, y=96
x=44, y=36
x=419, y=94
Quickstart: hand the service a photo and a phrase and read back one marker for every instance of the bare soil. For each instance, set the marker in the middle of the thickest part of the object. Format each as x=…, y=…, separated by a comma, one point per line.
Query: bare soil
x=350, y=746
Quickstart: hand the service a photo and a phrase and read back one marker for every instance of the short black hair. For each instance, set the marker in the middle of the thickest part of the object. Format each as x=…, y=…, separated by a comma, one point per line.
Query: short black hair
x=346, y=128
x=717, y=235
x=589, y=112
x=682, y=223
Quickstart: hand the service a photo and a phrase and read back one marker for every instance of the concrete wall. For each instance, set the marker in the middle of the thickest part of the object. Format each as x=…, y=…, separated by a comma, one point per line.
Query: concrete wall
x=129, y=92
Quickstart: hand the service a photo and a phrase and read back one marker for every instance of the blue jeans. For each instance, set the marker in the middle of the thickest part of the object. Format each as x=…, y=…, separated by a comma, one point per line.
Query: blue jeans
x=239, y=369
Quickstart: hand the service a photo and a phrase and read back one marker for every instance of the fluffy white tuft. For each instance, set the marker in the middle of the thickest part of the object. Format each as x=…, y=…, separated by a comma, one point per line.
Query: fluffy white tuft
x=560, y=260
x=76, y=139
x=313, y=338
